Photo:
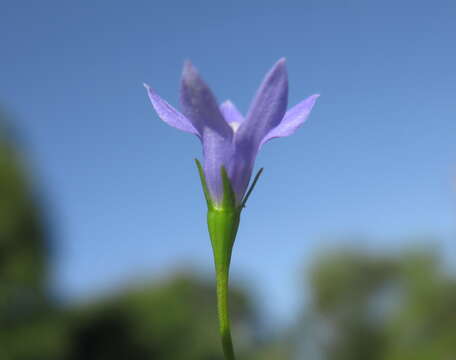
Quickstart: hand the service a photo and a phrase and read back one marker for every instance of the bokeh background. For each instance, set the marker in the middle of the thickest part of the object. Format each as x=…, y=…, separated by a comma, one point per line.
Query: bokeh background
x=347, y=247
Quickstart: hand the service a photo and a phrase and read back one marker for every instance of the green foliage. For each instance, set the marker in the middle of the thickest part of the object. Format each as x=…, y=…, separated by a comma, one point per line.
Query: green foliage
x=173, y=320
x=27, y=330
x=385, y=307
x=22, y=244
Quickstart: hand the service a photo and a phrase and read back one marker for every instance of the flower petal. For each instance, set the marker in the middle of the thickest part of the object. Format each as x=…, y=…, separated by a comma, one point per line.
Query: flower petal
x=169, y=114
x=269, y=105
x=231, y=113
x=199, y=104
x=292, y=120
x=241, y=167
x=217, y=152
x=201, y=108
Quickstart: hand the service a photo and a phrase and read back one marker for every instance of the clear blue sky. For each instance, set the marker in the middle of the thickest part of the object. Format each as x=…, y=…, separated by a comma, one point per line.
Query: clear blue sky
x=377, y=156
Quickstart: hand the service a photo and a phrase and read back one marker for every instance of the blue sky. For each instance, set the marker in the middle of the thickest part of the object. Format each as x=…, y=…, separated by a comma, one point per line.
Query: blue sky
x=377, y=156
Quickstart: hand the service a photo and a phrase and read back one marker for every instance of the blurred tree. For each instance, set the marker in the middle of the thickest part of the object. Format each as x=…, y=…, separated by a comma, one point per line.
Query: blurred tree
x=278, y=347
x=383, y=307
x=172, y=320
x=423, y=326
x=24, y=252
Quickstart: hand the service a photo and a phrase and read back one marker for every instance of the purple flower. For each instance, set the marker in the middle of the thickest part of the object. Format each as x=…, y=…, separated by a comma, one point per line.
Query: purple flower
x=229, y=140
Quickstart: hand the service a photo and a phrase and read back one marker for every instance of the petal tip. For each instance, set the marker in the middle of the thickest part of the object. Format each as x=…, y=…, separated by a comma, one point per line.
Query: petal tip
x=281, y=64
x=189, y=69
x=313, y=98
x=280, y=67
x=150, y=91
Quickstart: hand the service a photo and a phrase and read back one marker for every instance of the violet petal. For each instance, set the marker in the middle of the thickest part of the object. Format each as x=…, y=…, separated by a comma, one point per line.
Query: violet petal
x=292, y=120
x=269, y=105
x=200, y=106
x=169, y=114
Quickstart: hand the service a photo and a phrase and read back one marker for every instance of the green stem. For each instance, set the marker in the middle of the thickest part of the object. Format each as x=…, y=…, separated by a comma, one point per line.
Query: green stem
x=223, y=226
x=222, y=278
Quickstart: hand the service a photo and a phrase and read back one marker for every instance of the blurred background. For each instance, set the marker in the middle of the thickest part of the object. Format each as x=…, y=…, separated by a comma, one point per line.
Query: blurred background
x=347, y=247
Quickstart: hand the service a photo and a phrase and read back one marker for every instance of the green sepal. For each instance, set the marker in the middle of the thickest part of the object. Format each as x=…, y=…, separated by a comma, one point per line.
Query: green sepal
x=246, y=197
x=223, y=223
x=207, y=195
x=229, y=197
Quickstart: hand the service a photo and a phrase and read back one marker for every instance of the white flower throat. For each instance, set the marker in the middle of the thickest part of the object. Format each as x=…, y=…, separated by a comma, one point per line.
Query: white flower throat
x=235, y=125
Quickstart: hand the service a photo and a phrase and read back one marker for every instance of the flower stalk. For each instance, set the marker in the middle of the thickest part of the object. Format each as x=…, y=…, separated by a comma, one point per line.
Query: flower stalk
x=223, y=223
x=223, y=227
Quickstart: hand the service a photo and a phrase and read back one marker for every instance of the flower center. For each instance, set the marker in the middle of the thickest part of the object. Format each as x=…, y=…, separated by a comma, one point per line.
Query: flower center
x=234, y=125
